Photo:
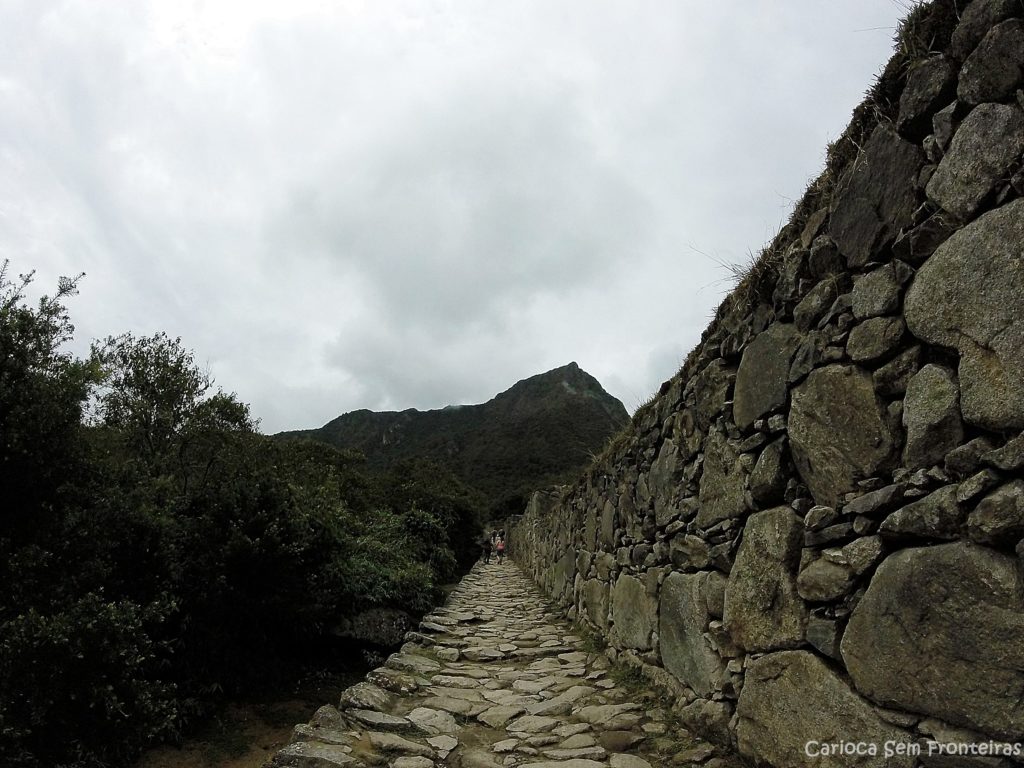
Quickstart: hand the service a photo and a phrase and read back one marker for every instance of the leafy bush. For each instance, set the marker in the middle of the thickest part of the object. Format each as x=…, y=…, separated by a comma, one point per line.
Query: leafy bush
x=160, y=554
x=89, y=667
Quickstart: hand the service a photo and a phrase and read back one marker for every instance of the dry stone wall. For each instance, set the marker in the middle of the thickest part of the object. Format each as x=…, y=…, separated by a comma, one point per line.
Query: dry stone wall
x=815, y=531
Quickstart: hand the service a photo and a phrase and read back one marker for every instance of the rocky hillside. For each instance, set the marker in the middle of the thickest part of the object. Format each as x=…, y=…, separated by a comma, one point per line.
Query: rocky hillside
x=542, y=430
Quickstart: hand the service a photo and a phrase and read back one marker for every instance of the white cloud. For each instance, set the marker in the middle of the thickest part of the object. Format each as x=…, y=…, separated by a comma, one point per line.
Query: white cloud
x=406, y=204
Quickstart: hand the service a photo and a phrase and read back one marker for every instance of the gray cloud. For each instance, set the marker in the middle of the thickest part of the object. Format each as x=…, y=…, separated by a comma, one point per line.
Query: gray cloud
x=407, y=204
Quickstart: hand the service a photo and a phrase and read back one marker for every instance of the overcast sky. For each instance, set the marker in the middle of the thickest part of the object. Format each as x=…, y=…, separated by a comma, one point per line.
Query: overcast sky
x=392, y=204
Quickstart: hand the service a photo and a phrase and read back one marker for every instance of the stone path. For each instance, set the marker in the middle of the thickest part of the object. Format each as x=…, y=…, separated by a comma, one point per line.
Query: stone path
x=496, y=679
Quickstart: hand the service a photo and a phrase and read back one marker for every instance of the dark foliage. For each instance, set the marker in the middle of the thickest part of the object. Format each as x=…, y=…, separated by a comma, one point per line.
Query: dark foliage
x=158, y=554
x=542, y=431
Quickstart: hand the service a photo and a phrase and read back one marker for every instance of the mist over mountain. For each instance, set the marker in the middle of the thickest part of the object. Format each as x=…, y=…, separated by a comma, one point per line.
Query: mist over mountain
x=540, y=431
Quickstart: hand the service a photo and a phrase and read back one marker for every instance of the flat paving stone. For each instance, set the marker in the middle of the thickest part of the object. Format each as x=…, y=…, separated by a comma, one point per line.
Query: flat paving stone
x=501, y=682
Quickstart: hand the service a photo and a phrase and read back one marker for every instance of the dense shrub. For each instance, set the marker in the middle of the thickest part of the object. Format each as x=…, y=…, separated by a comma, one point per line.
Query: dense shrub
x=158, y=554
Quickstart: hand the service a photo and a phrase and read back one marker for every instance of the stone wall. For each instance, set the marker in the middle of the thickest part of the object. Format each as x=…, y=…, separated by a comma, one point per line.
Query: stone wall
x=814, y=531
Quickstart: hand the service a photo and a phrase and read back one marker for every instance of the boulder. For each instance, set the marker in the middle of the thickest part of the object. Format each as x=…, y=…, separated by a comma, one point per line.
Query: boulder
x=380, y=720
x=633, y=614
x=967, y=459
x=838, y=431
x=1010, y=457
x=684, y=618
x=723, y=483
x=936, y=516
x=878, y=197
x=878, y=293
x=808, y=355
x=875, y=338
x=411, y=662
x=792, y=702
x=824, y=259
x=313, y=754
x=711, y=391
x=858, y=556
x=823, y=581
x=761, y=381
x=608, y=523
x=663, y=481
x=595, y=598
x=366, y=695
x=915, y=245
x=817, y=301
x=995, y=69
x=931, y=414
x=967, y=297
x=985, y=146
x=824, y=634
x=977, y=19
x=689, y=552
x=938, y=632
x=893, y=377
x=931, y=83
x=945, y=122
x=433, y=721
x=392, y=743
x=768, y=478
x=763, y=611
x=560, y=578
x=999, y=517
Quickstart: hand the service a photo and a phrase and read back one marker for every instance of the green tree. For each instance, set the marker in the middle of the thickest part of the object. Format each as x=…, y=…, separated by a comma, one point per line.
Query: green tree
x=42, y=390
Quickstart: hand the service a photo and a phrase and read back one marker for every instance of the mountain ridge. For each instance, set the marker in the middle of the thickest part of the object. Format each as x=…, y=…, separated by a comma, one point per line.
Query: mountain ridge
x=539, y=431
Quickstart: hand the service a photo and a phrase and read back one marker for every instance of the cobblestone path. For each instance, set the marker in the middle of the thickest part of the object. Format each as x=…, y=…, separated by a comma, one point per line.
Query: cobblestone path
x=496, y=679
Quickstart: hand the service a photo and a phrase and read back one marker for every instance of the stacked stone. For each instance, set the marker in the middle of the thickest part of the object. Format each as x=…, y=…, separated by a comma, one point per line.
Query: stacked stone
x=494, y=679
x=815, y=530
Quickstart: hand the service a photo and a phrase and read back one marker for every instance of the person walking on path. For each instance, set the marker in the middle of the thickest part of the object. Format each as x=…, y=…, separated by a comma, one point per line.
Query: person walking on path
x=487, y=550
x=501, y=549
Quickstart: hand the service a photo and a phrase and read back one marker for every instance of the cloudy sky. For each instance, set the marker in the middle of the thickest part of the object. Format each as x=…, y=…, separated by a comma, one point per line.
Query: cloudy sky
x=388, y=204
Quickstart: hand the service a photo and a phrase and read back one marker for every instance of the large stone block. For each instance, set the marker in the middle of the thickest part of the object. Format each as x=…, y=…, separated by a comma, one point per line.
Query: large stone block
x=608, y=524
x=936, y=516
x=987, y=143
x=711, y=390
x=977, y=20
x=763, y=611
x=939, y=632
x=595, y=602
x=792, y=703
x=967, y=297
x=999, y=518
x=562, y=576
x=931, y=414
x=633, y=614
x=931, y=83
x=682, y=627
x=663, y=480
x=768, y=478
x=838, y=431
x=723, y=483
x=996, y=68
x=878, y=198
x=878, y=293
x=761, y=381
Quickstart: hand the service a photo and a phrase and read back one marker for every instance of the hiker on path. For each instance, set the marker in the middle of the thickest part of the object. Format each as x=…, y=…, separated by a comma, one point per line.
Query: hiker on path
x=487, y=550
x=501, y=549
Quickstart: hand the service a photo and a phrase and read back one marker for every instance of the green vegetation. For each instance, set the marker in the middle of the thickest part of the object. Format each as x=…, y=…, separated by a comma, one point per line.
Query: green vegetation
x=541, y=432
x=158, y=555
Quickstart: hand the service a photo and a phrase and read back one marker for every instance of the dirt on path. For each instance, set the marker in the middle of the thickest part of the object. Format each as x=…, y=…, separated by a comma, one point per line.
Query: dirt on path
x=247, y=735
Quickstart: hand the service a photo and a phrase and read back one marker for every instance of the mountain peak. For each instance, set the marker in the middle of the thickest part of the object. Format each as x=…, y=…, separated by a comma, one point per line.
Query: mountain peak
x=540, y=430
